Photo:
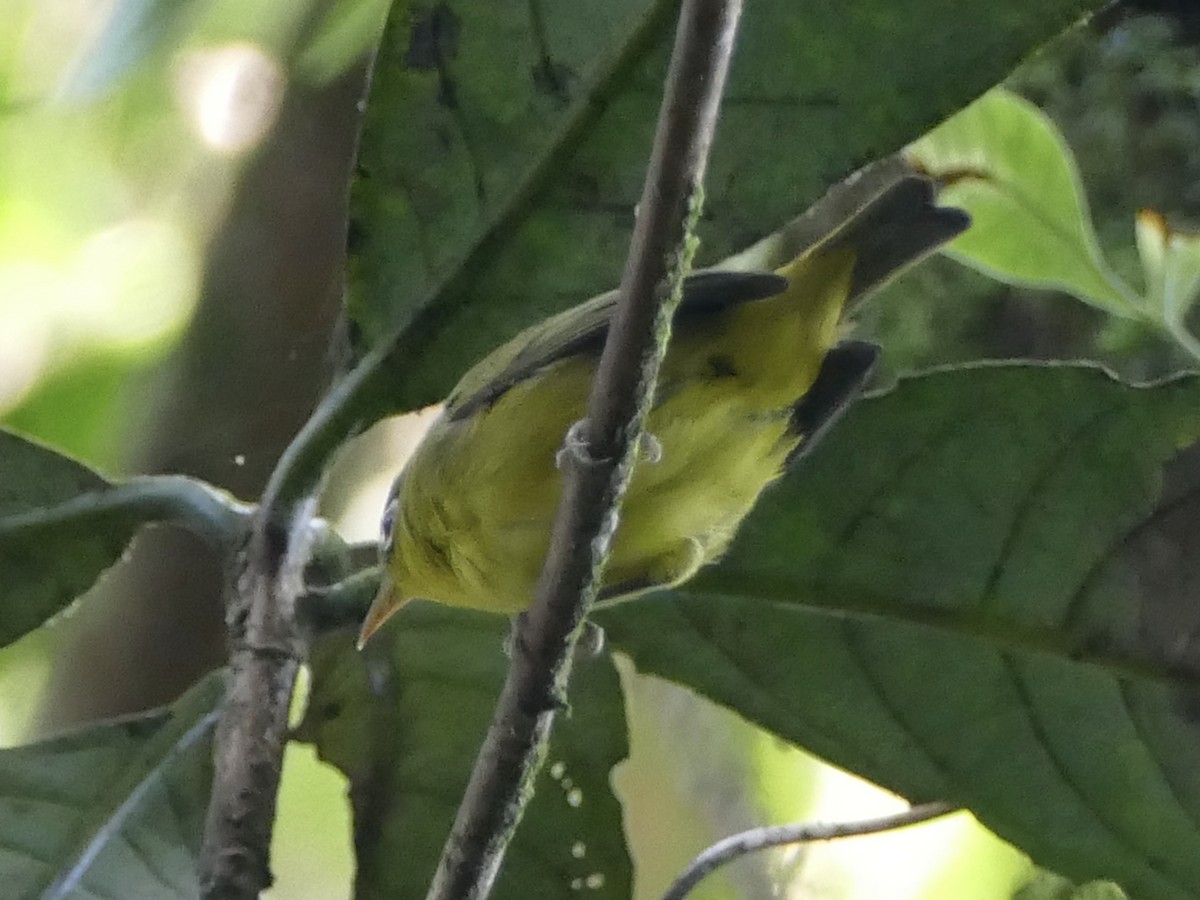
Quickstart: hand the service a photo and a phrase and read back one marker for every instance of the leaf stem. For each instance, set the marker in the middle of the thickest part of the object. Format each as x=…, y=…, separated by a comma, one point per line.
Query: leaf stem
x=1184, y=338
x=209, y=512
x=343, y=604
x=599, y=456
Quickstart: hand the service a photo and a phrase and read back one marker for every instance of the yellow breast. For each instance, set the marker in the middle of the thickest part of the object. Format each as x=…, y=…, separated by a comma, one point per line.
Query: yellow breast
x=479, y=496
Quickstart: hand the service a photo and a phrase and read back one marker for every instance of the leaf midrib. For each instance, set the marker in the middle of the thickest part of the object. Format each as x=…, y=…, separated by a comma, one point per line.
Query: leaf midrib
x=1003, y=635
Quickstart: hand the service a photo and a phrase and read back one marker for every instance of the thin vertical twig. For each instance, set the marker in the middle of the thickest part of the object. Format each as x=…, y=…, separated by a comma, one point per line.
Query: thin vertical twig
x=266, y=647
x=598, y=456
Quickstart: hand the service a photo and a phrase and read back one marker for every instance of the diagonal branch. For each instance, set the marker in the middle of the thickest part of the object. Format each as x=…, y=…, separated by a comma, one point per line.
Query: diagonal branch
x=598, y=456
x=738, y=845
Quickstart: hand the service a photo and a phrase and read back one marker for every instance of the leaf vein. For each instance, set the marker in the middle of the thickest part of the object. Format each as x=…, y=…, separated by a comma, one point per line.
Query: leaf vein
x=1064, y=773
x=1135, y=720
x=1025, y=507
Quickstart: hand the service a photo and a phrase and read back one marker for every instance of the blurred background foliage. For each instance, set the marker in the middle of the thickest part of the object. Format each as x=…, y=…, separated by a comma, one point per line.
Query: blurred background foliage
x=166, y=171
x=172, y=177
x=1126, y=94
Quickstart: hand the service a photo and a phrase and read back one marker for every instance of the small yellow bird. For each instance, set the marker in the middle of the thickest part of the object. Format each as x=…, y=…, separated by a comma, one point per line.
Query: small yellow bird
x=751, y=378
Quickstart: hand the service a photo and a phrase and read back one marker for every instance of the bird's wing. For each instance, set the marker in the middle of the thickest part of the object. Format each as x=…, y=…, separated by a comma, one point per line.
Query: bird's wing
x=896, y=228
x=844, y=373
x=583, y=329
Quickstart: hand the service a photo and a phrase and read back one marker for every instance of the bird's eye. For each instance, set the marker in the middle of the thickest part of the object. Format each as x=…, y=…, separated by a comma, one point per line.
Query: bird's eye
x=387, y=526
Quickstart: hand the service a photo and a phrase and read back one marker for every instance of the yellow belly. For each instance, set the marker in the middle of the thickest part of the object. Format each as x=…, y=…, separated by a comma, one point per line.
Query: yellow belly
x=478, y=520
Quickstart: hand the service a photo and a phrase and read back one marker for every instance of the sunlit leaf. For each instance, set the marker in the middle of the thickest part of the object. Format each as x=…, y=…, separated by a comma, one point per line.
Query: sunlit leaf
x=980, y=589
x=405, y=728
x=1006, y=163
x=115, y=810
x=62, y=525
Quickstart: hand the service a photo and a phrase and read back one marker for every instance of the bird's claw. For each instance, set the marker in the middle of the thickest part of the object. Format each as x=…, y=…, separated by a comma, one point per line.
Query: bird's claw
x=576, y=447
x=650, y=448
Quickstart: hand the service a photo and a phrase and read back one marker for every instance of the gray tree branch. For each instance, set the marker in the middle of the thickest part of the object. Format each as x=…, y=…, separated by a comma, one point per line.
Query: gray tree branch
x=599, y=456
x=266, y=646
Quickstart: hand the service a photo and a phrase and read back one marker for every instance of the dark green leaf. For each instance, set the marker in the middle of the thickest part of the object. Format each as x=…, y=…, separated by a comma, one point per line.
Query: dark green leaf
x=505, y=145
x=62, y=525
x=405, y=729
x=981, y=589
x=115, y=810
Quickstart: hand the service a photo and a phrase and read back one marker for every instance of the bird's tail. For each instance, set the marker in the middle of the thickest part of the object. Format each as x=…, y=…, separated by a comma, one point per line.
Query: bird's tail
x=897, y=228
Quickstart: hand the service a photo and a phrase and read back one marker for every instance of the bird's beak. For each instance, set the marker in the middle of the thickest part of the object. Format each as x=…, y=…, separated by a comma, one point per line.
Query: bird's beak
x=386, y=602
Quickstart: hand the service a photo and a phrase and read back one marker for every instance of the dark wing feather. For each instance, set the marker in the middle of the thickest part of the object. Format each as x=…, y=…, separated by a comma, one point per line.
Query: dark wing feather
x=899, y=226
x=844, y=372
x=584, y=328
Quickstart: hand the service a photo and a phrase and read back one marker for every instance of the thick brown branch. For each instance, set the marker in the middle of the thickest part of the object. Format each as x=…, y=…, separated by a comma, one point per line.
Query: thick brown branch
x=599, y=456
x=264, y=659
x=266, y=650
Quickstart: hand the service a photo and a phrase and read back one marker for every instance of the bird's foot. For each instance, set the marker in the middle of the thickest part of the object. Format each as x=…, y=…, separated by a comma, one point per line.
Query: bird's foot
x=650, y=448
x=577, y=448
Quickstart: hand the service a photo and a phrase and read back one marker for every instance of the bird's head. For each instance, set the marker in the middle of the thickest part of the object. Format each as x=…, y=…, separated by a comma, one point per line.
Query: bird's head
x=388, y=600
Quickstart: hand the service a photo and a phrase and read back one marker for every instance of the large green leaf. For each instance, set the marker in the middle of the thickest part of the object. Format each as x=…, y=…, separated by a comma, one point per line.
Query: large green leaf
x=981, y=589
x=62, y=525
x=505, y=145
x=115, y=810
x=405, y=728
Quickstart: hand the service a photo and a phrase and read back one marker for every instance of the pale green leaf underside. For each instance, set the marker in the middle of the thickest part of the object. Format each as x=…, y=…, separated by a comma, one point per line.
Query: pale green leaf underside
x=980, y=589
x=1006, y=164
x=111, y=812
x=408, y=743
